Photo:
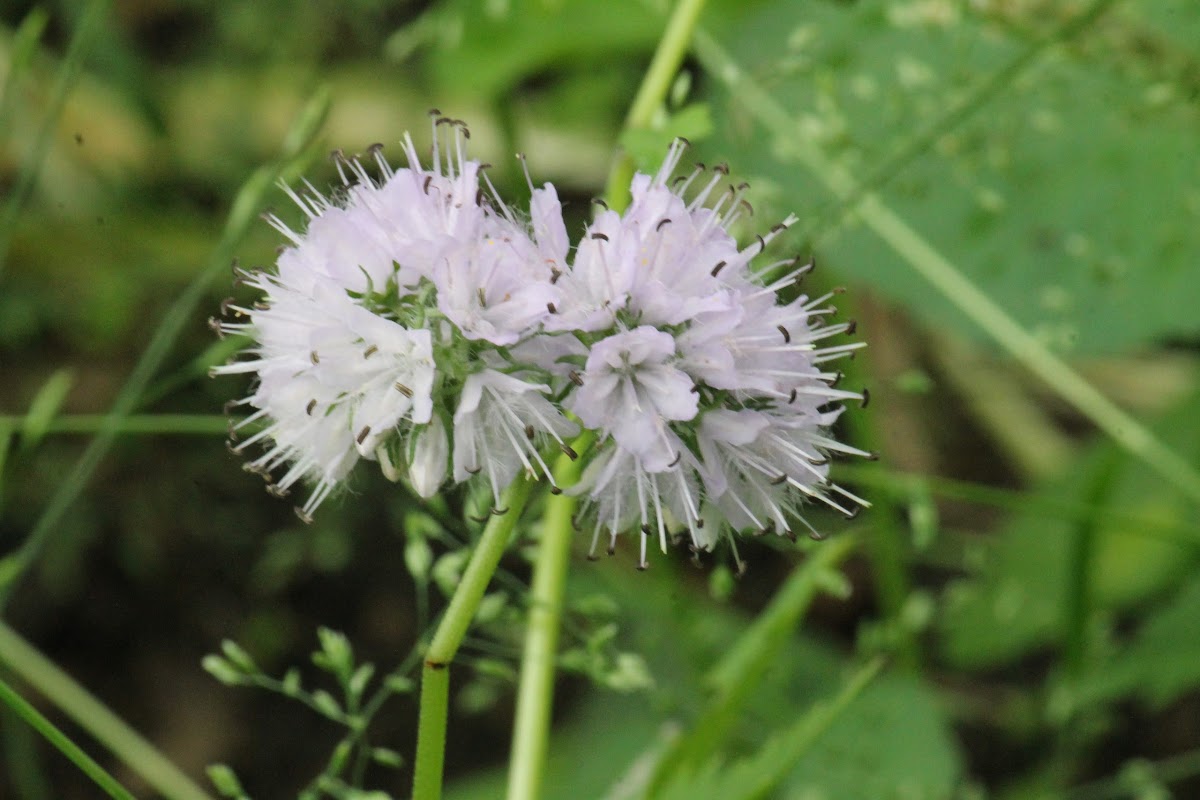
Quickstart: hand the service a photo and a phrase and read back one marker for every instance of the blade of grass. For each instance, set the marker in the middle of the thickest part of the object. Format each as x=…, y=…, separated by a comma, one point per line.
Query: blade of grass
x=903, y=485
x=736, y=675
x=140, y=424
x=21, y=49
x=243, y=213
x=68, y=73
x=25, y=759
x=757, y=776
x=45, y=727
x=93, y=716
x=946, y=278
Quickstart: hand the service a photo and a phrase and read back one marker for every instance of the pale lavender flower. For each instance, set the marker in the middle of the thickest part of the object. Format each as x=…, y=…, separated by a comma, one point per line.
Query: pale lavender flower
x=496, y=285
x=429, y=458
x=631, y=391
x=501, y=427
x=625, y=493
x=375, y=316
x=698, y=375
x=333, y=380
x=757, y=461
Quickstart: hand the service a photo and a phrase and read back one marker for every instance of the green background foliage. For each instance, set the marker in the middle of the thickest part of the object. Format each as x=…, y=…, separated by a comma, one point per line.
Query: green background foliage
x=1031, y=586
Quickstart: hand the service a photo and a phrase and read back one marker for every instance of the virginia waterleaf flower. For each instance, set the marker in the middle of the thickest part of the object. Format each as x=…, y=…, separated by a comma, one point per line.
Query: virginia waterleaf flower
x=708, y=392
x=421, y=322
x=379, y=314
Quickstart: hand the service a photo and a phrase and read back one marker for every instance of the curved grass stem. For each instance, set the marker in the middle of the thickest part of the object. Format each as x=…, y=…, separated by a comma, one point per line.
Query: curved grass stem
x=72, y=751
x=76, y=702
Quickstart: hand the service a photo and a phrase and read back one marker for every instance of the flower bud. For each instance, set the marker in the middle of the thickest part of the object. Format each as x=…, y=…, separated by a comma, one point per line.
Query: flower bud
x=430, y=457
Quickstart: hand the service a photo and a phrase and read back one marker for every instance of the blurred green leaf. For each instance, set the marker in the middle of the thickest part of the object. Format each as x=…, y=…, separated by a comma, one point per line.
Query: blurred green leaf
x=324, y=702
x=487, y=48
x=225, y=781
x=386, y=757
x=495, y=668
x=45, y=406
x=418, y=557
x=290, y=685
x=400, y=684
x=756, y=776
x=20, y=51
x=893, y=743
x=1162, y=662
x=336, y=655
x=238, y=657
x=448, y=569
x=222, y=670
x=1017, y=600
x=490, y=607
x=359, y=680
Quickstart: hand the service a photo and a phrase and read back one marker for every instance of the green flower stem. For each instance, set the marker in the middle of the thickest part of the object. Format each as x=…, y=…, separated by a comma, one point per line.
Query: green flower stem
x=535, y=692
x=947, y=279
x=668, y=56
x=93, y=716
x=57, y=738
x=536, y=689
x=431, y=732
x=435, y=674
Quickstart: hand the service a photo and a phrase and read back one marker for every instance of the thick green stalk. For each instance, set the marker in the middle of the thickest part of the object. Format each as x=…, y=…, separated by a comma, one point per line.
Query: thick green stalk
x=668, y=56
x=431, y=732
x=536, y=689
x=535, y=692
x=435, y=674
x=93, y=716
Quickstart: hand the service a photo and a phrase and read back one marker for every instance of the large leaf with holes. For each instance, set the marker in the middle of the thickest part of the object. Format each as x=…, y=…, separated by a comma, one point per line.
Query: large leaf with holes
x=1071, y=195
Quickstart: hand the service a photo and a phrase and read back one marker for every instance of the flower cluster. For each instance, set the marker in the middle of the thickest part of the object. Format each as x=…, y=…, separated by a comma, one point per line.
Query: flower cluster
x=420, y=322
